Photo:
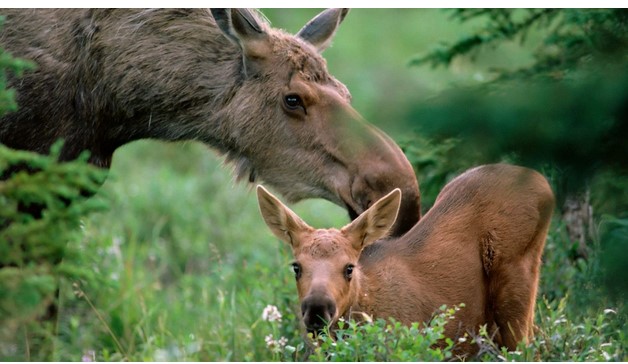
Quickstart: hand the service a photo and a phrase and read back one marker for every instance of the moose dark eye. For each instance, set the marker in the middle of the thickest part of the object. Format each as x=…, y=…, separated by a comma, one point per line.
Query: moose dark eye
x=296, y=267
x=349, y=271
x=294, y=102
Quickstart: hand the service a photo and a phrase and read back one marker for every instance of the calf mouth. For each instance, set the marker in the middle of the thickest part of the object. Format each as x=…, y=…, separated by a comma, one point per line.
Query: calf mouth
x=316, y=330
x=317, y=326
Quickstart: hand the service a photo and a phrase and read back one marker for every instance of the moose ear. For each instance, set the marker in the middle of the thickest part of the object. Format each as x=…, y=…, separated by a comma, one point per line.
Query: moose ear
x=375, y=222
x=321, y=29
x=244, y=28
x=282, y=221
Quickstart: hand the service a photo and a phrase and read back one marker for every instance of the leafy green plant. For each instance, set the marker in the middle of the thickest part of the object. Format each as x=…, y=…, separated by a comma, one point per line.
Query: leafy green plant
x=562, y=338
x=387, y=340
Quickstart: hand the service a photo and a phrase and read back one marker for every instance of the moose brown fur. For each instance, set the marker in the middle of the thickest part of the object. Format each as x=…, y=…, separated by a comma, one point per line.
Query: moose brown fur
x=262, y=97
x=480, y=244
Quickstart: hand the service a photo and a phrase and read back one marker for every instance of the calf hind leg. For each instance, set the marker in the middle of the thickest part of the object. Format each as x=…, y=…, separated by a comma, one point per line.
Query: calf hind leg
x=512, y=293
x=513, y=298
x=513, y=284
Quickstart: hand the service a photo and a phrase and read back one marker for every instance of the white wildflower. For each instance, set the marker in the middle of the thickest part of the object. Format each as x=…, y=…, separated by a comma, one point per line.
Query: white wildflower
x=271, y=314
x=275, y=345
x=269, y=340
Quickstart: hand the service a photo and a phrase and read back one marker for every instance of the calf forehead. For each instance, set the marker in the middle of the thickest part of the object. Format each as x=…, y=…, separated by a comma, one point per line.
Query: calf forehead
x=324, y=244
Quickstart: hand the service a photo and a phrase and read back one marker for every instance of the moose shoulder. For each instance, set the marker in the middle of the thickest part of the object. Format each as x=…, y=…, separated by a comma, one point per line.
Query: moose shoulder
x=480, y=244
x=262, y=97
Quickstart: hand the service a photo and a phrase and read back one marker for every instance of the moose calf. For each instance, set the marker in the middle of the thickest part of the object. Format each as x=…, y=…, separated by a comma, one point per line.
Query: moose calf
x=480, y=244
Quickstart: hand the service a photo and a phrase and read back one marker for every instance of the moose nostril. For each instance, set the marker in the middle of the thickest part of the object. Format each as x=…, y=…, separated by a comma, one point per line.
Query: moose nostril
x=331, y=309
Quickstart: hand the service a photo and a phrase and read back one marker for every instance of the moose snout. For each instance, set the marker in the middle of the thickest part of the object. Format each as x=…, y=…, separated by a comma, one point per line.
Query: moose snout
x=369, y=188
x=317, y=312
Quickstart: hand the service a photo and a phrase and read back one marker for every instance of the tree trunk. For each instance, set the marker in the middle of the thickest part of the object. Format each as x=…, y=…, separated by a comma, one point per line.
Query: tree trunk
x=578, y=218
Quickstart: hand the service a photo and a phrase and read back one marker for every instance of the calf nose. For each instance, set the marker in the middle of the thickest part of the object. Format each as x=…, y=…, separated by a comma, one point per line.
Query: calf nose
x=317, y=311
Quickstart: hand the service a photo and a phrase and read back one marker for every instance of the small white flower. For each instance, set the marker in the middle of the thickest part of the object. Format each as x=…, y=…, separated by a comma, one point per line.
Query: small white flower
x=269, y=340
x=275, y=345
x=271, y=314
x=462, y=339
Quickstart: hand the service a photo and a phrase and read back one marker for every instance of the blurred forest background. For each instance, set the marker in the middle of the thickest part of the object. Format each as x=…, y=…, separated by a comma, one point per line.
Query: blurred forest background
x=172, y=261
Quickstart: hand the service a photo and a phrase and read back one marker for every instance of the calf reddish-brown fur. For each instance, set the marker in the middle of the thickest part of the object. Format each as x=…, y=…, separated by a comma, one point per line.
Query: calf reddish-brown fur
x=480, y=244
x=262, y=97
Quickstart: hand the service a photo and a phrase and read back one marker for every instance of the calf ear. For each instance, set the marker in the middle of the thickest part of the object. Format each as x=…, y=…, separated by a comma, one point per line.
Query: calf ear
x=244, y=28
x=321, y=29
x=375, y=222
x=282, y=221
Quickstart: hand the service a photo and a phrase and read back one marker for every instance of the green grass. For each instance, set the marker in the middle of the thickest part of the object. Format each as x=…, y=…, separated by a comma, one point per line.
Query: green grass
x=187, y=261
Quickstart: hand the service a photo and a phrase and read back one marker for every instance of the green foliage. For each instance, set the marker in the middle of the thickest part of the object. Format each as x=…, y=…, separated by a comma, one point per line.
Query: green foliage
x=581, y=132
x=388, y=340
x=41, y=207
x=562, y=338
x=42, y=202
x=501, y=24
x=566, y=109
x=573, y=38
x=612, y=262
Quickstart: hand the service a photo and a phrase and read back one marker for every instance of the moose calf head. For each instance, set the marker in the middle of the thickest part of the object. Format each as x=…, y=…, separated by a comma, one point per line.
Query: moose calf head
x=326, y=260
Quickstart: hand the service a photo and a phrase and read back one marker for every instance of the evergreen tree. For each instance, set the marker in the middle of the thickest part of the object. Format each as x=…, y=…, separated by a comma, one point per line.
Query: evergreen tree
x=42, y=202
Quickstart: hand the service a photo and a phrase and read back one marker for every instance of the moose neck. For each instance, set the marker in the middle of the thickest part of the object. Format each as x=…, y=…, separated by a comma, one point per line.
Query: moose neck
x=387, y=280
x=203, y=87
x=367, y=293
x=136, y=86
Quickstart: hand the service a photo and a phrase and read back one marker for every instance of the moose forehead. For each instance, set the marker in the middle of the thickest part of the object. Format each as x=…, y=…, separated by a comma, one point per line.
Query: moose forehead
x=305, y=61
x=301, y=56
x=323, y=244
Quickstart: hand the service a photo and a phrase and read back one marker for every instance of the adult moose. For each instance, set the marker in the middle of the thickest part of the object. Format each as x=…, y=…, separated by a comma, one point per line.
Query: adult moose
x=480, y=244
x=260, y=96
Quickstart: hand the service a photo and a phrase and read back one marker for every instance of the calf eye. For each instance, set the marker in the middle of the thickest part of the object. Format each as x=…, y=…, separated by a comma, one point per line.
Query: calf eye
x=349, y=271
x=296, y=267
